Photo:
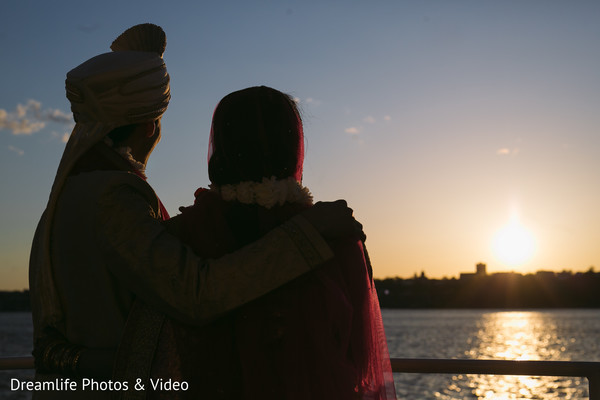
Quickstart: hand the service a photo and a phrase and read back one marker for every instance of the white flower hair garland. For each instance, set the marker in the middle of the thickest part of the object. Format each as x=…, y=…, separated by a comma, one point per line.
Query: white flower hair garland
x=268, y=193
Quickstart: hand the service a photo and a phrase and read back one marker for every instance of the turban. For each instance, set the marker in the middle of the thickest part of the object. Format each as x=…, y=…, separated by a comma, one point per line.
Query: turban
x=126, y=86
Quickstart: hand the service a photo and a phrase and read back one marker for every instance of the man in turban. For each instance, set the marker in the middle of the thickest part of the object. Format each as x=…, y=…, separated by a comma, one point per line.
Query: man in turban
x=100, y=247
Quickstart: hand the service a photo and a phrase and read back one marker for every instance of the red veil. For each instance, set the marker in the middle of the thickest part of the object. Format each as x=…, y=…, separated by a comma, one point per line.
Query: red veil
x=318, y=337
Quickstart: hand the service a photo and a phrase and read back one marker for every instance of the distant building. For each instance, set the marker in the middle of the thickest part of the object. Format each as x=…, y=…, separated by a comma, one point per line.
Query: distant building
x=545, y=274
x=511, y=275
x=480, y=270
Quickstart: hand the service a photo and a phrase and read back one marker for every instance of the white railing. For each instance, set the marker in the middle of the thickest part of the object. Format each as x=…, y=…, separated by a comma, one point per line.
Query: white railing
x=586, y=369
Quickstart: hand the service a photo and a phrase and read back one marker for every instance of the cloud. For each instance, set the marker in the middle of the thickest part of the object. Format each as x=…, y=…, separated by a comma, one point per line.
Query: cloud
x=505, y=151
x=353, y=130
x=59, y=116
x=387, y=118
x=369, y=119
x=309, y=100
x=16, y=150
x=30, y=118
x=21, y=126
x=17, y=122
x=63, y=137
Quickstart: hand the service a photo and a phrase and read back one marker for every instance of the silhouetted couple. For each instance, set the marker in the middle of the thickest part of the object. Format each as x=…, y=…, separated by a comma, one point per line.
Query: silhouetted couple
x=252, y=292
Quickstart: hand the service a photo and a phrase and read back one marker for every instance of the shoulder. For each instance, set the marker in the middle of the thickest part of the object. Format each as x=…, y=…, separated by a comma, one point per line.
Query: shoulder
x=107, y=181
x=114, y=188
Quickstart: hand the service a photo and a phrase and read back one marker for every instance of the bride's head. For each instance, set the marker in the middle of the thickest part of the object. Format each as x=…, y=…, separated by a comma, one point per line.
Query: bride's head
x=256, y=133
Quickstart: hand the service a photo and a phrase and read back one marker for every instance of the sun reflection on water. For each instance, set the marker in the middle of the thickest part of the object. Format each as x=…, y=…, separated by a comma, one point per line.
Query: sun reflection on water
x=558, y=335
x=517, y=336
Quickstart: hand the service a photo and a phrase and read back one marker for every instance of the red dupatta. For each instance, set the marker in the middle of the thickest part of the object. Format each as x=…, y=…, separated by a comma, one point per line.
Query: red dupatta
x=318, y=337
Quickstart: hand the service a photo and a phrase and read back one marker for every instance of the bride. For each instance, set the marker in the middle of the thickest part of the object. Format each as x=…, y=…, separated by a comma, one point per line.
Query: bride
x=319, y=337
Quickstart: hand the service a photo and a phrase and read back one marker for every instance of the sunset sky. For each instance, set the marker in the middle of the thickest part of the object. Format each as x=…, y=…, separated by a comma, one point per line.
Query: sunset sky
x=458, y=131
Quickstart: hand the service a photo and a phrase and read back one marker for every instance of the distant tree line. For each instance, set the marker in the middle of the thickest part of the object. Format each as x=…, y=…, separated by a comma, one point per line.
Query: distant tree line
x=501, y=290
x=15, y=301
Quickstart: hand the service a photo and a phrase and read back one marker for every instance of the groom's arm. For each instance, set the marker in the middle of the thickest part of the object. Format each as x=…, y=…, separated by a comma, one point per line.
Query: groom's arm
x=166, y=274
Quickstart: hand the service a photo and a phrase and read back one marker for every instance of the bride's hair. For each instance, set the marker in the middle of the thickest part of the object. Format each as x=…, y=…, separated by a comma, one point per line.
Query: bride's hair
x=256, y=133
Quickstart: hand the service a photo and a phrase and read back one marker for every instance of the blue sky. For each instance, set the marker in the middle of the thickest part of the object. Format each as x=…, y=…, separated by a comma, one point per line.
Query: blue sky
x=441, y=122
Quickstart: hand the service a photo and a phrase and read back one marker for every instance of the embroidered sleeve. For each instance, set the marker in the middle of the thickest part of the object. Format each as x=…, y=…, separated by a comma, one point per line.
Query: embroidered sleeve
x=164, y=273
x=309, y=242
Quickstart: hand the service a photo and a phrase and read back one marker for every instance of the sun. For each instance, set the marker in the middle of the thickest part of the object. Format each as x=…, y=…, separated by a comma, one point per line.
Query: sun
x=513, y=244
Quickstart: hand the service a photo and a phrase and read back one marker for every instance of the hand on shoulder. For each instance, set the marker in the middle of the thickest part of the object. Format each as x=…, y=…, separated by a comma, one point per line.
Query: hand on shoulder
x=334, y=220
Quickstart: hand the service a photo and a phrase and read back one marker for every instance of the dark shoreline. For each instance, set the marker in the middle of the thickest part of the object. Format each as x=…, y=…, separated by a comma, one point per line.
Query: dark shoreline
x=500, y=291
x=14, y=301
x=512, y=291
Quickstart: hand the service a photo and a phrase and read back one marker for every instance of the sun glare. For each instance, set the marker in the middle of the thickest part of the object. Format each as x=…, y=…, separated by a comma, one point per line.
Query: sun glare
x=513, y=244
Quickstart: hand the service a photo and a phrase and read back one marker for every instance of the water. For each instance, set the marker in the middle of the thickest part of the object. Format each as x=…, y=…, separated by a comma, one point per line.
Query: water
x=566, y=335
x=16, y=333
